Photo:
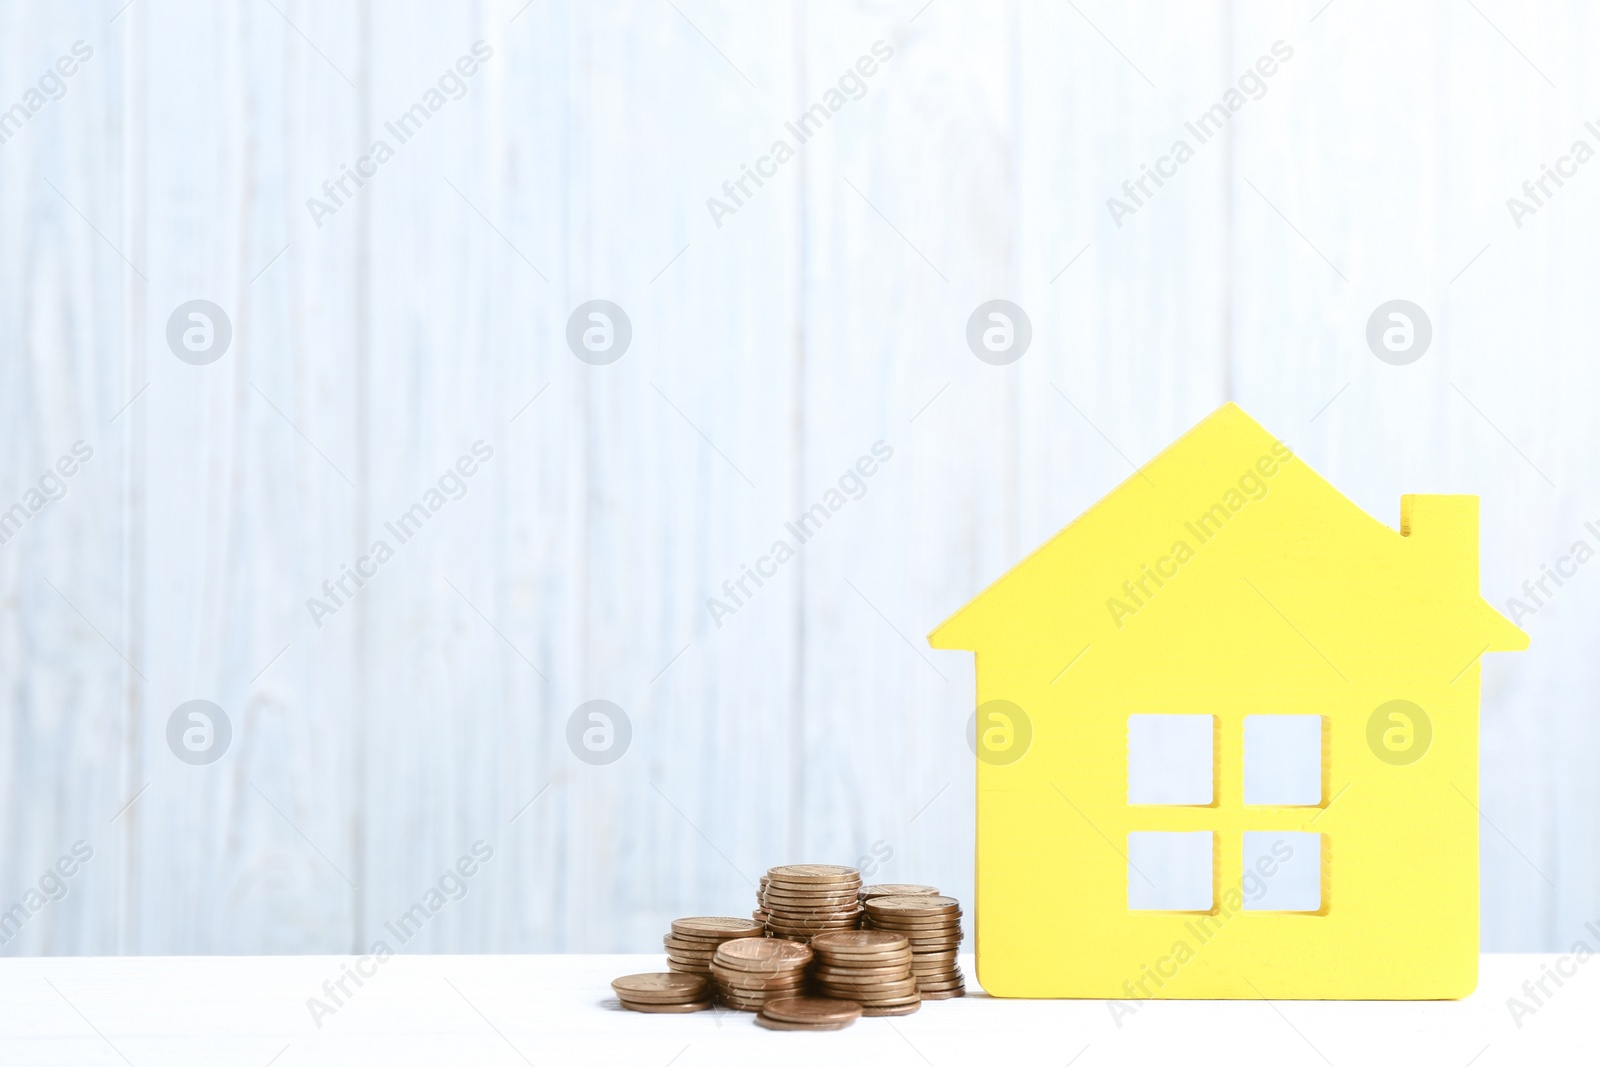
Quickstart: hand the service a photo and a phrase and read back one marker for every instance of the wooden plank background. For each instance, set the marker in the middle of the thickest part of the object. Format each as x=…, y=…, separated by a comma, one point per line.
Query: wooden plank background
x=769, y=352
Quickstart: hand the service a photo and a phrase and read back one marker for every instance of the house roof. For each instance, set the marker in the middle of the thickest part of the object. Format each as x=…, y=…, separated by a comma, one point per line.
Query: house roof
x=1278, y=519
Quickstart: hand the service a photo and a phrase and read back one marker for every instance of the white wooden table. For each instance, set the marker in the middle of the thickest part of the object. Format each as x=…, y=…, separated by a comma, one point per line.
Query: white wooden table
x=173, y=1011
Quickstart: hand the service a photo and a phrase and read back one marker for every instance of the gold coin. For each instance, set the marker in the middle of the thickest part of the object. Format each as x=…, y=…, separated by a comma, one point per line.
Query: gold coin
x=843, y=892
x=806, y=911
x=864, y=997
x=709, y=944
x=860, y=942
x=804, y=929
x=829, y=964
x=863, y=980
x=919, y=930
x=811, y=922
x=665, y=1009
x=747, y=981
x=779, y=1024
x=697, y=966
x=657, y=985
x=801, y=911
x=793, y=989
x=898, y=889
x=914, y=905
x=811, y=1010
x=900, y=963
x=751, y=989
x=751, y=953
x=754, y=997
x=877, y=988
x=914, y=936
x=686, y=968
x=958, y=991
x=896, y=922
x=715, y=926
x=886, y=974
x=813, y=874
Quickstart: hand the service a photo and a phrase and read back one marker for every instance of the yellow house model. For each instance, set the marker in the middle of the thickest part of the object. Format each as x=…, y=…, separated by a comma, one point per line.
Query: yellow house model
x=1227, y=731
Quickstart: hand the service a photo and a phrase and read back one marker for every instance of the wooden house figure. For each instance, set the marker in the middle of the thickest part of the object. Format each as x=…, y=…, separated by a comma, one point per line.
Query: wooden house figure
x=1227, y=728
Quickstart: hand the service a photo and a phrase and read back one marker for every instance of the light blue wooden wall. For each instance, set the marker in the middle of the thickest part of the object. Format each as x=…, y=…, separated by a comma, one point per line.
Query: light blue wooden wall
x=768, y=354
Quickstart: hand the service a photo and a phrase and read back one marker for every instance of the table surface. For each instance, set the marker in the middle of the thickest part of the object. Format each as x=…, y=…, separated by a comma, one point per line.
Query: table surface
x=559, y=1009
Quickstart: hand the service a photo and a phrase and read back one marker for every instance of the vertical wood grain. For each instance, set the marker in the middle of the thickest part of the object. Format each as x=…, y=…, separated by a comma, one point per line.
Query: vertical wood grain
x=769, y=353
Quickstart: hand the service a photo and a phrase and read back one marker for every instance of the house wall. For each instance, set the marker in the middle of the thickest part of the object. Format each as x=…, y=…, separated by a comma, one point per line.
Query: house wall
x=374, y=345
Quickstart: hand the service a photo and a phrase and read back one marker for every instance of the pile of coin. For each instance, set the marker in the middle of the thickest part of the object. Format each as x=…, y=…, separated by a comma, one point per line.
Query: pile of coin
x=749, y=971
x=808, y=1013
x=668, y=993
x=897, y=889
x=693, y=942
x=804, y=899
x=870, y=967
x=932, y=924
x=760, y=914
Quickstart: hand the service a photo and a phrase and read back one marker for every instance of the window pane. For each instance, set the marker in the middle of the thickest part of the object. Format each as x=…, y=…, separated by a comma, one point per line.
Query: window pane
x=1169, y=871
x=1283, y=760
x=1170, y=759
x=1282, y=871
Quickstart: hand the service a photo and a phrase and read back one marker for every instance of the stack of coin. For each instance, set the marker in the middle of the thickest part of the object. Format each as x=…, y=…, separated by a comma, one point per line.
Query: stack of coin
x=760, y=914
x=870, y=967
x=668, y=993
x=808, y=1013
x=897, y=889
x=803, y=899
x=933, y=926
x=693, y=942
x=751, y=970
